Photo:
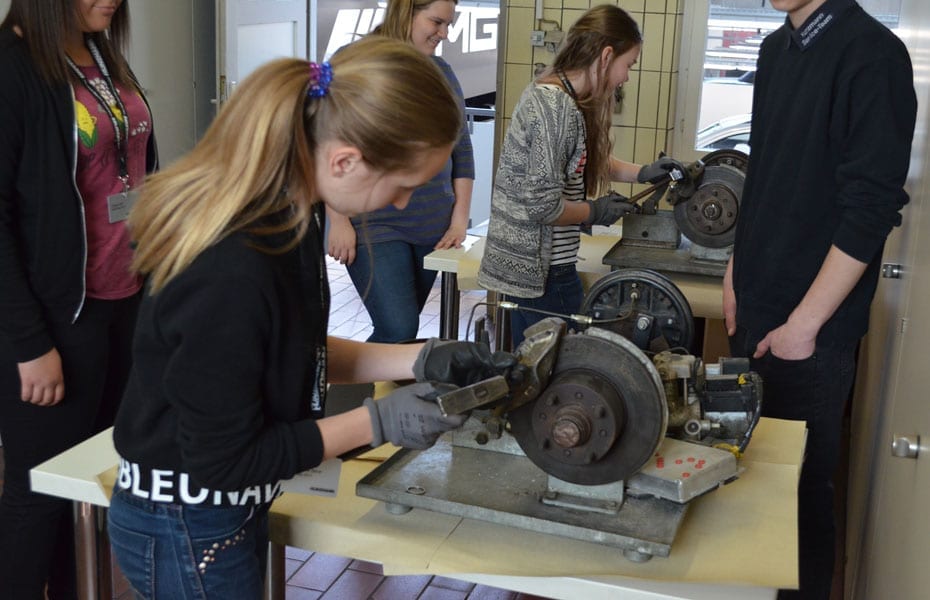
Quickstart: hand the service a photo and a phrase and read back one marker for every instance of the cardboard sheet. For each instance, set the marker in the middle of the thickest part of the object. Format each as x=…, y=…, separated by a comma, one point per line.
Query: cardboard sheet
x=744, y=532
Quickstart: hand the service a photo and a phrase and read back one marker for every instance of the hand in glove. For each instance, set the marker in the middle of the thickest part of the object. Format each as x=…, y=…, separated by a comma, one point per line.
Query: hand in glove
x=464, y=363
x=409, y=417
x=609, y=209
x=662, y=168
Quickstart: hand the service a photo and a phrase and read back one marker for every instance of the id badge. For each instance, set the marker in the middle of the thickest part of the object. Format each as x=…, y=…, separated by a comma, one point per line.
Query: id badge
x=119, y=205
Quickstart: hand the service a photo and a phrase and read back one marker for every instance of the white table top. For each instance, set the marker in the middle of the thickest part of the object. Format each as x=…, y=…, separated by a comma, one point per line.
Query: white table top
x=704, y=294
x=722, y=539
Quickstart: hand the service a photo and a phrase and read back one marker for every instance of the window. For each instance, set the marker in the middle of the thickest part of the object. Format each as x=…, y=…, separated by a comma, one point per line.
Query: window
x=720, y=45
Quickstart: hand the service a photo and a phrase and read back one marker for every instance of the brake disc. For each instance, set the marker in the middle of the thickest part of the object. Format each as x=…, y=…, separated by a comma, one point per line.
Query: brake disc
x=643, y=306
x=708, y=217
x=602, y=416
x=730, y=158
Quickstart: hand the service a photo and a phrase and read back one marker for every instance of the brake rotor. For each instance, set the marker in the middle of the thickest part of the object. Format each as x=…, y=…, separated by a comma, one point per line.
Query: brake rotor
x=708, y=217
x=643, y=306
x=602, y=416
x=731, y=158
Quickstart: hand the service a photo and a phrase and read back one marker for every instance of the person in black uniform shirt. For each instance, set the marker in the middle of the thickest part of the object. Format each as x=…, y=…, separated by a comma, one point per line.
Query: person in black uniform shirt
x=833, y=117
x=231, y=356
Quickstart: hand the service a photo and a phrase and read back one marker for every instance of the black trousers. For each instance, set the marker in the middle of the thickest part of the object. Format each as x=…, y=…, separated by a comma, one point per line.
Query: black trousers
x=814, y=390
x=36, y=531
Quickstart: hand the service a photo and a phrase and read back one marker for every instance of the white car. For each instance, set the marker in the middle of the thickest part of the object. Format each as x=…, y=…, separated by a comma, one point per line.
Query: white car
x=729, y=133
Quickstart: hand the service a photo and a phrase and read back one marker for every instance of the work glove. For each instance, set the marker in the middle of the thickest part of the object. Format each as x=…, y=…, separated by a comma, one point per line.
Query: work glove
x=609, y=209
x=464, y=363
x=662, y=168
x=410, y=417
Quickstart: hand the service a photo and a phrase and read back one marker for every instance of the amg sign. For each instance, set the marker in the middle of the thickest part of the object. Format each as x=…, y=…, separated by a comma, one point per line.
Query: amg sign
x=471, y=47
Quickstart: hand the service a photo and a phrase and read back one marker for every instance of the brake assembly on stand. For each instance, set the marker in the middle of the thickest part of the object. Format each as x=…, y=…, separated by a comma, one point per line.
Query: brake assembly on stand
x=603, y=439
x=696, y=235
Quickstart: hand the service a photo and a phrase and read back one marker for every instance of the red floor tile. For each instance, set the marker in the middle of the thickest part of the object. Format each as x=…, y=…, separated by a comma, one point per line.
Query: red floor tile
x=440, y=593
x=401, y=587
x=452, y=584
x=483, y=592
x=353, y=584
x=319, y=572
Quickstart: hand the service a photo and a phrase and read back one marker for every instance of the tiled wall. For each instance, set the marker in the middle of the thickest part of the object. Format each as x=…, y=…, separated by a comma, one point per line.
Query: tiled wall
x=644, y=125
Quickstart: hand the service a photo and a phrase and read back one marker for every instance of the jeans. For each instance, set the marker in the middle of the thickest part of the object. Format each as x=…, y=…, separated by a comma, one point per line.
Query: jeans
x=394, y=286
x=563, y=295
x=186, y=552
x=816, y=390
x=36, y=532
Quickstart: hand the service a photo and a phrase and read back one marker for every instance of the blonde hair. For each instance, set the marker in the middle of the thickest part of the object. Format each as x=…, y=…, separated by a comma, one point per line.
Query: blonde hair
x=256, y=159
x=398, y=17
x=599, y=27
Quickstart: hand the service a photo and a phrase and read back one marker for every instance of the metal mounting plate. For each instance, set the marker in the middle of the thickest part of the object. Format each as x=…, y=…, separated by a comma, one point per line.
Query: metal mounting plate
x=506, y=489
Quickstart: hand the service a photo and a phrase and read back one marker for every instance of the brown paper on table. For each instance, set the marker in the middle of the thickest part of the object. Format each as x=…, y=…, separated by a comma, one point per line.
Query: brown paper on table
x=744, y=532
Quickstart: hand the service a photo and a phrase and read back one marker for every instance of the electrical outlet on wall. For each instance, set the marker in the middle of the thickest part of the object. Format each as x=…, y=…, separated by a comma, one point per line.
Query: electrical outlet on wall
x=537, y=38
x=553, y=40
x=554, y=36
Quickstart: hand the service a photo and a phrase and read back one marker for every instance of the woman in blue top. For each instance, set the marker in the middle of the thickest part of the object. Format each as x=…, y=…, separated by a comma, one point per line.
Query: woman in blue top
x=385, y=257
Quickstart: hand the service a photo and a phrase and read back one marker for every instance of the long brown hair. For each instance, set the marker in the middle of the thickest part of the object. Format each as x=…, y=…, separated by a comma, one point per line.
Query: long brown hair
x=46, y=24
x=256, y=159
x=600, y=27
x=398, y=17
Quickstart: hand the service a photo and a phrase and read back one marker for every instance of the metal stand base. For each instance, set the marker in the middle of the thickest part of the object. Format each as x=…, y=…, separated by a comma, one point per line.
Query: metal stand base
x=507, y=489
x=679, y=260
x=654, y=242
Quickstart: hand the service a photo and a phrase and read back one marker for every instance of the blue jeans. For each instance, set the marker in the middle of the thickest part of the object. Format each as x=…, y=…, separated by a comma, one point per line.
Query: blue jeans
x=815, y=390
x=394, y=286
x=176, y=551
x=563, y=295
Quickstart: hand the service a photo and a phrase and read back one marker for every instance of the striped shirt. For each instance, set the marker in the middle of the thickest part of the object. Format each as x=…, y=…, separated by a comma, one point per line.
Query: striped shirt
x=566, y=239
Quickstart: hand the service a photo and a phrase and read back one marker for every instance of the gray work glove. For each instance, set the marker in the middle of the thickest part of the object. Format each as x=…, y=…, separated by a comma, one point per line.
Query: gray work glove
x=464, y=363
x=409, y=417
x=662, y=168
x=609, y=209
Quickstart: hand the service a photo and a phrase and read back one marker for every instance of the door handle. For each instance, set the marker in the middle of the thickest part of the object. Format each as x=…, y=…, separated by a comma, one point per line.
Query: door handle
x=892, y=271
x=905, y=446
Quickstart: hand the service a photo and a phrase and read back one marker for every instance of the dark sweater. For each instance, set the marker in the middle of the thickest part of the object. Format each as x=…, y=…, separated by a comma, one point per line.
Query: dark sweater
x=226, y=359
x=833, y=117
x=43, y=245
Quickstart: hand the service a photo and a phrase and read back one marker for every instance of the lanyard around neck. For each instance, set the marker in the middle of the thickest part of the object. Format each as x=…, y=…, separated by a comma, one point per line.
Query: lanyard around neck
x=567, y=84
x=120, y=127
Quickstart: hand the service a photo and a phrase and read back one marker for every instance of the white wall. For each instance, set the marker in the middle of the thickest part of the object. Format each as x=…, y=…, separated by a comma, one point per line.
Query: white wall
x=4, y=7
x=173, y=53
